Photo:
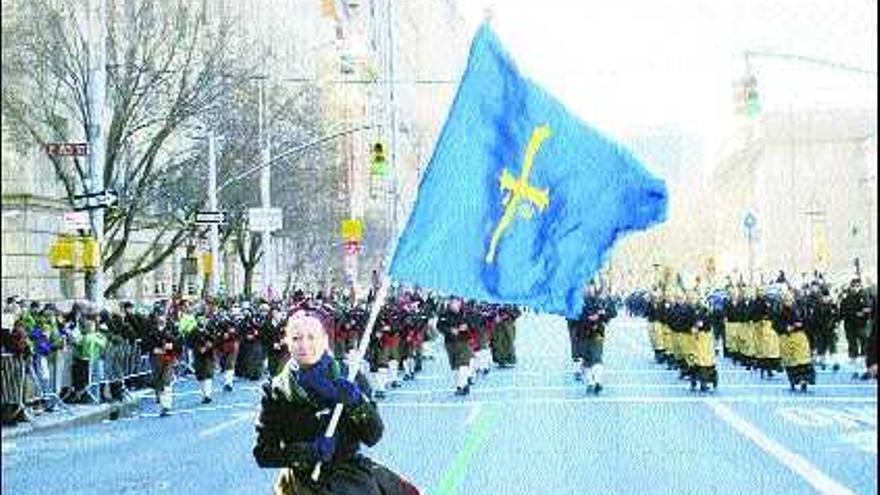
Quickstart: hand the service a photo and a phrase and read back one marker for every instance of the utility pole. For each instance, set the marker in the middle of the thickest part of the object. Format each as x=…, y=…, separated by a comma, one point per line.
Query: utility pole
x=213, y=232
x=392, y=117
x=95, y=135
x=750, y=222
x=265, y=195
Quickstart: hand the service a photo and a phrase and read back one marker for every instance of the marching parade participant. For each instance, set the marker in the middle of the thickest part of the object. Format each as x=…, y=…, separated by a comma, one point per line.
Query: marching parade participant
x=201, y=341
x=383, y=345
x=703, y=358
x=788, y=321
x=413, y=327
x=591, y=336
x=483, y=317
x=677, y=318
x=822, y=319
x=272, y=338
x=681, y=318
x=575, y=347
x=250, y=325
x=165, y=348
x=747, y=342
x=855, y=311
x=502, y=345
x=291, y=423
x=652, y=312
x=767, y=357
x=226, y=344
x=733, y=329
x=452, y=323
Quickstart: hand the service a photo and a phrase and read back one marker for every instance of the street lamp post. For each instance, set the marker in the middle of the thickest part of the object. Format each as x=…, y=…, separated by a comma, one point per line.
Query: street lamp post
x=213, y=232
x=95, y=133
x=749, y=222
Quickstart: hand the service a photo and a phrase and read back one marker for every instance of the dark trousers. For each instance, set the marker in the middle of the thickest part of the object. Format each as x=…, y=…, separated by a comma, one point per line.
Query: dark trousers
x=856, y=338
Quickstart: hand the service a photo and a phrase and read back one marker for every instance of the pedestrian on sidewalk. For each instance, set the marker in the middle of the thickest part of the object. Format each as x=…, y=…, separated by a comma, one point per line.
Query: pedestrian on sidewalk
x=88, y=348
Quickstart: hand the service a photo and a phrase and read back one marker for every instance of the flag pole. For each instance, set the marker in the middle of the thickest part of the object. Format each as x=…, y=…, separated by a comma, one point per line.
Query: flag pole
x=355, y=365
x=381, y=294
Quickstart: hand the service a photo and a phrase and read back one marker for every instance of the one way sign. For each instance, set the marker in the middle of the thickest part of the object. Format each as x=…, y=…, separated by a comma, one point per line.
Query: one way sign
x=95, y=201
x=210, y=217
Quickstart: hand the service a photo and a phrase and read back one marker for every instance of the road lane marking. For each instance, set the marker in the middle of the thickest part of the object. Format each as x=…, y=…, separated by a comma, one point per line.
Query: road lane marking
x=473, y=442
x=624, y=400
x=865, y=440
x=175, y=412
x=648, y=371
x=550, y=388
x=819, y=417
x=813, y=475
x=475, y=411
x=238, y=418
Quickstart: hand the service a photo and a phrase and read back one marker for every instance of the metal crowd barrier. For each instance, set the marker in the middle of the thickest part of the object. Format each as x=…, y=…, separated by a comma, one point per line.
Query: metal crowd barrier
x=17, y=386
x=45, y=381
x=119, y=363
x=185, y=362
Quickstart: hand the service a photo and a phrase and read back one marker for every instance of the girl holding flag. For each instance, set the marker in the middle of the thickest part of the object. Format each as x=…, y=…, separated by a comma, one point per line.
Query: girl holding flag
x=294, y=415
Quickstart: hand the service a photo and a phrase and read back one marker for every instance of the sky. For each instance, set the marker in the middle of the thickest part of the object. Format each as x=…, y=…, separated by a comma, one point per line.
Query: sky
x=626, y=66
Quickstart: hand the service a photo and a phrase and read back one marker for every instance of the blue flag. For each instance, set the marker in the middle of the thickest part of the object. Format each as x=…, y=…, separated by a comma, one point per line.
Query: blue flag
x=521, y=200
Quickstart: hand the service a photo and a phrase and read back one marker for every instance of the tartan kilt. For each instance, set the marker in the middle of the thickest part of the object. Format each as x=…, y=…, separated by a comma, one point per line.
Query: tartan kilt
x=704, y=349
x=688, y=347
x=361, y=476
x=766, y=340
x=664, y=337
x=794, y=349
x=732, y=336
x=747, y=339
x=654, y=336
x=459, y=352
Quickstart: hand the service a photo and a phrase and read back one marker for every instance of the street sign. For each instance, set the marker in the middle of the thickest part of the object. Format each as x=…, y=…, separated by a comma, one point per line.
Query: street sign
x=210, y=217
x=76, y=220
x=352, y=229
x=750, y=221
x=351, y=247
x=264, y=219
x=95, y=201
x=67, y=149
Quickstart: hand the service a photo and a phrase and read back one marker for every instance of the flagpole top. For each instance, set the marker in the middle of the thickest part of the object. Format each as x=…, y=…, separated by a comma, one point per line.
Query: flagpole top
x=488, y=14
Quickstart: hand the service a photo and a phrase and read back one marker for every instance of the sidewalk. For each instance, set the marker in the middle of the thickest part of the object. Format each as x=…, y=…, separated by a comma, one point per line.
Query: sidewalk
x=76, y=415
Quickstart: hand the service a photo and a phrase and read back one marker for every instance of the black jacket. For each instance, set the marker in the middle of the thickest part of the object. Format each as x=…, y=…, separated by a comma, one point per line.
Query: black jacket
x=290, y=420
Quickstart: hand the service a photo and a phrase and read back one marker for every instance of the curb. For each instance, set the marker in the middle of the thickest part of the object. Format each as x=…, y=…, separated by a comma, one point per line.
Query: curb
x=95, y=414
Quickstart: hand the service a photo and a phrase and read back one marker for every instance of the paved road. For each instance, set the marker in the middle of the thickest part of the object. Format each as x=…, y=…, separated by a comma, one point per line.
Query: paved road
x=531, y=430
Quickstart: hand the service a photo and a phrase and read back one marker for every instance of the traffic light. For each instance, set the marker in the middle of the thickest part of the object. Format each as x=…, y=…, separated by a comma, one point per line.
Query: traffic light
x=753, y=104
x=61, y=253
x=91, y=253
x=378, y=162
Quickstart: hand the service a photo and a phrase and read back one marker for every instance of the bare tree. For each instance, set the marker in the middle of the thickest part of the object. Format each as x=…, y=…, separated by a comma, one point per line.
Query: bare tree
x=293, y=119
x=168, y=63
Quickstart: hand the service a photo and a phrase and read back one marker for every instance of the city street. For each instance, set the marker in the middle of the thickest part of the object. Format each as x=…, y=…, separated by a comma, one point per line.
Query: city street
x=530, y=430
x=218, y=186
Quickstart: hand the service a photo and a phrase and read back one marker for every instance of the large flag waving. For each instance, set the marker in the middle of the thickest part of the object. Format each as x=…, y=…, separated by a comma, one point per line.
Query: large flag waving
x=521, y=200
